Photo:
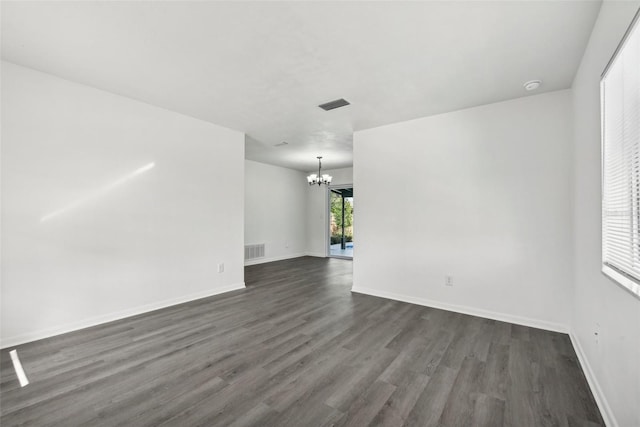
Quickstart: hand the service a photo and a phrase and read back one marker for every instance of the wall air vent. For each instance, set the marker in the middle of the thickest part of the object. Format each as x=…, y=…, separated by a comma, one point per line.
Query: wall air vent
x=253, y=251
x=334, y=104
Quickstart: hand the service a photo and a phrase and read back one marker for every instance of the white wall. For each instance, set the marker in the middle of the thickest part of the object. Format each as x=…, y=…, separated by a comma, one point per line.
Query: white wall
x=275, y=210
x=481, y=194
x=612, y=359
x=317, y=207
x=83, y=240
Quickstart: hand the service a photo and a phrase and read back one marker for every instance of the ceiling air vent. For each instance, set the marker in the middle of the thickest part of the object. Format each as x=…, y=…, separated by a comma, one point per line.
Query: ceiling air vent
x=281, y=144
x=334, y=104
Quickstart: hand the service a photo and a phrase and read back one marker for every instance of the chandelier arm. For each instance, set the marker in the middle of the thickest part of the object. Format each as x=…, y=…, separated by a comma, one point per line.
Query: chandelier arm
x=319, y=179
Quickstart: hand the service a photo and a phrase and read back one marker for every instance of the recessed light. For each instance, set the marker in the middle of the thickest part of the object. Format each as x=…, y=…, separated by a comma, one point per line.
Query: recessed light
x=532, y=84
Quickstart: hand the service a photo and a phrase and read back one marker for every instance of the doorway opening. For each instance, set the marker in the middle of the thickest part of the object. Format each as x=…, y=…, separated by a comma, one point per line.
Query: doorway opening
x=341, y=222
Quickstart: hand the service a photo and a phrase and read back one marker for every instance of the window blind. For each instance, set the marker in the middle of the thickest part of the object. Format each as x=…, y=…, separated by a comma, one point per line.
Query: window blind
x=620, y=102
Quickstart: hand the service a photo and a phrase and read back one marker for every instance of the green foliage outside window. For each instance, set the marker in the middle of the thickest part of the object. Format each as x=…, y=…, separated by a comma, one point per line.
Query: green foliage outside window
x=336, y=219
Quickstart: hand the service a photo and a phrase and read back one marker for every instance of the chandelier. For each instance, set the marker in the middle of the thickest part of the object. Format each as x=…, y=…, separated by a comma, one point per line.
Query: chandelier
x=319, y=179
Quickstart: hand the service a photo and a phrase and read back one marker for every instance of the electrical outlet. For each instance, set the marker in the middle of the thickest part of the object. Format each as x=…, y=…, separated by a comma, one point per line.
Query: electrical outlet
x=448, y=281
x=221, y=267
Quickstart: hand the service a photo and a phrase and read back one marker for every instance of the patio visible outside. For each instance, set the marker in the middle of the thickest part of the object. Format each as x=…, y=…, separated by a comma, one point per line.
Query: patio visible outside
x=341, y=224
x=336, y=250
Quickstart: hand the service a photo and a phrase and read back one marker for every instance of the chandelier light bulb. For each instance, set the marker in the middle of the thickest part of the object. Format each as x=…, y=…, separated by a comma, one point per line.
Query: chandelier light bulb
x=319, y=178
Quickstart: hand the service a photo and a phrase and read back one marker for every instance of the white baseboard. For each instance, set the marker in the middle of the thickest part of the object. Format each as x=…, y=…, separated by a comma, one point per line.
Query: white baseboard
x=316, y=254
x=97, y=320
x=601, y=400
x=274, y=258
x=503, y=317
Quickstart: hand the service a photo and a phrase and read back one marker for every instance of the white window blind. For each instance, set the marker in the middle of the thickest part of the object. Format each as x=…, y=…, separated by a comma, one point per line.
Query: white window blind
x=620, y=102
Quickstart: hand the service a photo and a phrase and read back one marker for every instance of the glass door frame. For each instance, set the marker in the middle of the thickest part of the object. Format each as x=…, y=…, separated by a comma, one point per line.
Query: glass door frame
x=327, y=228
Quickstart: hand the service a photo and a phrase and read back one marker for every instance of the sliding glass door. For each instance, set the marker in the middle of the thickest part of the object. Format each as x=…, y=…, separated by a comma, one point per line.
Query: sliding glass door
x=341, y=222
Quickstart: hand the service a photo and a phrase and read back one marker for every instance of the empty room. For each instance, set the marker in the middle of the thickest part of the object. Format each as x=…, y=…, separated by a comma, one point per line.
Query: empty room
x=320, y=213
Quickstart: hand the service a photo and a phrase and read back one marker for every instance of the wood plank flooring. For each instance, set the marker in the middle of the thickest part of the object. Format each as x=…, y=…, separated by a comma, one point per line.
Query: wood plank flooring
x=297, y=348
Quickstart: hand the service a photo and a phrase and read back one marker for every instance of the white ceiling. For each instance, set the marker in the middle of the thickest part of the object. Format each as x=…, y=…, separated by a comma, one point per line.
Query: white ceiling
x=263, y=67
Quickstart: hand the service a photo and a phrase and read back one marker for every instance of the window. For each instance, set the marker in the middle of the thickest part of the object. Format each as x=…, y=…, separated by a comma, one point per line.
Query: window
x=620, y=109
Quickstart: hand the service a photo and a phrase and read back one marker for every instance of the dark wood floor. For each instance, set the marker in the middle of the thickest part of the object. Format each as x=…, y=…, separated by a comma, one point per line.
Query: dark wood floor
x=296, y=348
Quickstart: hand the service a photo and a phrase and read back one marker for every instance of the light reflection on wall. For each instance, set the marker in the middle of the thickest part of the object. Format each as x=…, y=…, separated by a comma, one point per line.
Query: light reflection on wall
x=98, y=193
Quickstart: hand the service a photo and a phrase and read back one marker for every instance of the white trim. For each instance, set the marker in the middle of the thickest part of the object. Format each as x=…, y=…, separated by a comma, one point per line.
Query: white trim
x=327, y=222
x=98, y=320
x=627, y=283
x=503, y=317
x=316, y=254
x=271, y=259
x=594, y=385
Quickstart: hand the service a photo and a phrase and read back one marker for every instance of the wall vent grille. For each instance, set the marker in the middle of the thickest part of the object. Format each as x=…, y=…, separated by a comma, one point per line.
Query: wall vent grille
x=253, y=251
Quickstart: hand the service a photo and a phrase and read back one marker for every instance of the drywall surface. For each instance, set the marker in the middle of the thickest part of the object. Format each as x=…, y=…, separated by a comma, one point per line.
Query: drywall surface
x=610, y=358
x=110, y=207
x=482, y=195
x=318, y=211
x=275, y=210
